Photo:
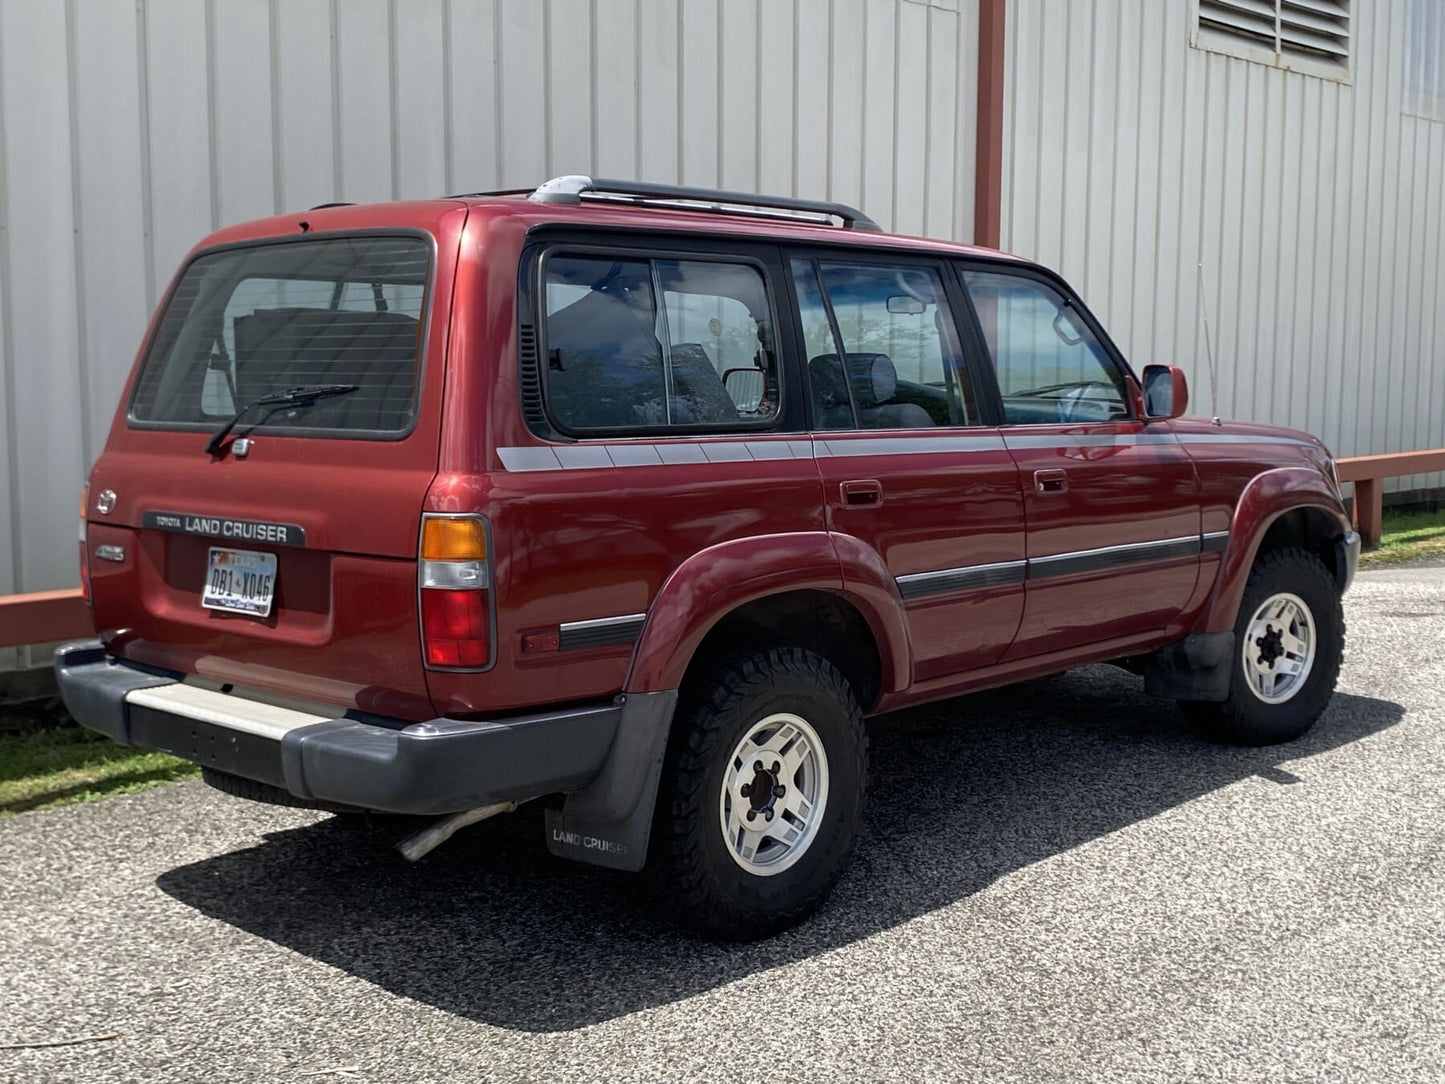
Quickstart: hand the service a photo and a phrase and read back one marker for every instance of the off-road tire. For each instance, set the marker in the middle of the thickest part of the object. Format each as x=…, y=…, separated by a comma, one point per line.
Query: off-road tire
x=1244, y=718
x=702, y=885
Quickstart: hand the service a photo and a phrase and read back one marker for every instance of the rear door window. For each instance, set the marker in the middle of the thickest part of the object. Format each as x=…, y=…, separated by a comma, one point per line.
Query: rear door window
x=882, y=348
x=634, y=343
x=249, y=322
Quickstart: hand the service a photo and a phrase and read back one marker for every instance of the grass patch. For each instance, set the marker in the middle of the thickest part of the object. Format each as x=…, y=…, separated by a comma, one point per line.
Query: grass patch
x=41, y=769
x=1406, y=536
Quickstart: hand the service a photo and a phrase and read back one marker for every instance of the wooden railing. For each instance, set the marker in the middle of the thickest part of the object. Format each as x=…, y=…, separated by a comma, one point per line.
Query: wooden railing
x=1368, y=472
x=43, y=617
x=63, y=615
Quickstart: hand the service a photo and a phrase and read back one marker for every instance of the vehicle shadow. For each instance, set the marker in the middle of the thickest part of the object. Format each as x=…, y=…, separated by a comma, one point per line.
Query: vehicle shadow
x=491, y=928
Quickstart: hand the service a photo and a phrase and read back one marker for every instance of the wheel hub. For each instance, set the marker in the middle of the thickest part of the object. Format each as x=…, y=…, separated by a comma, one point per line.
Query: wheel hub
x=774, y=791
x=1271, y=646
x=1279, y=648
x=763, y=791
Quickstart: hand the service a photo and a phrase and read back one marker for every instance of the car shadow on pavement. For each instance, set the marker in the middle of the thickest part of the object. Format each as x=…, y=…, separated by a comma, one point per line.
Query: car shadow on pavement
x=491, y=928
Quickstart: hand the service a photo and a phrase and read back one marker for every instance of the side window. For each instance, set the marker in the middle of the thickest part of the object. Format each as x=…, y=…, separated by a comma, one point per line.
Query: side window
x=633, y=343
x=899, y=366
x=1050, y=366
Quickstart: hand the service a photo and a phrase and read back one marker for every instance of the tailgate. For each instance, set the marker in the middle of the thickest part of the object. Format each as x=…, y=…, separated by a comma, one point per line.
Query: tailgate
x=286, y=560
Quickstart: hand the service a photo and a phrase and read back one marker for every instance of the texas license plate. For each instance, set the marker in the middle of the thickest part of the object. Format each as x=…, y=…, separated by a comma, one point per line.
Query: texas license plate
x=241, y=581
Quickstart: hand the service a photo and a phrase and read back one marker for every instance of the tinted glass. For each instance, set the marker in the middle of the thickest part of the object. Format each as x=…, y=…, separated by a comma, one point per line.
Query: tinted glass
x=616, y=359
x=900, y=367
x=832, y=401
x=249, y=322
x=1050, y=366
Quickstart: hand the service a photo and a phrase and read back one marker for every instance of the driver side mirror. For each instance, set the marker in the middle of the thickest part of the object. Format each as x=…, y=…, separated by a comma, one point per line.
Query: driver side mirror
x=1166, y=392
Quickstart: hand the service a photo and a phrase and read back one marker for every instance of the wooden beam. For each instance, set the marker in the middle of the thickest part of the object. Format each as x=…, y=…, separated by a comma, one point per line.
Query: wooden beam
x=44, y=617
x=1369, y=471
x=1363, y=467
x=988, y=152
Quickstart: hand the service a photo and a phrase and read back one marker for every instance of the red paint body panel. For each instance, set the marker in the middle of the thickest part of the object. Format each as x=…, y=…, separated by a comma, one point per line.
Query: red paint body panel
x=683, y=544
x=716, y=581
x=938, y=510
x=585, y=544
x=1114, y=494
x=1267, y=497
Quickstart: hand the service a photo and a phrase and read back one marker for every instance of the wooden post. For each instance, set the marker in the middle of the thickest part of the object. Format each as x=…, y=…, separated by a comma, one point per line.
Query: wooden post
x=1369, y=510
x=988, y=152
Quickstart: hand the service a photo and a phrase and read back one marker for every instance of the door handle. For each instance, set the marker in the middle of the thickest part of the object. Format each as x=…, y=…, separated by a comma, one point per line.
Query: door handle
x=864, y=493
x=1051, y=481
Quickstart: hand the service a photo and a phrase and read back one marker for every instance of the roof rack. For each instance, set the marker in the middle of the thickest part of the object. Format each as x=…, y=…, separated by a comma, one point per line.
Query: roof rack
x=576, y=189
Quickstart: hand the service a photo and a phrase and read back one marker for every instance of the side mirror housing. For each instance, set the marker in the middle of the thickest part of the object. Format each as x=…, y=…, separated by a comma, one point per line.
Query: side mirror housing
x=1166, y=392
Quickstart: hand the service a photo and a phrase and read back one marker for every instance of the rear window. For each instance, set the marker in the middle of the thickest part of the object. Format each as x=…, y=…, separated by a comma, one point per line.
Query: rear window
x=249, y=322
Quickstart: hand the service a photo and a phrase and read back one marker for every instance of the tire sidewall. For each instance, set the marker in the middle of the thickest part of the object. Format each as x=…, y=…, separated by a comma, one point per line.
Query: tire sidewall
x=1296, y=573
x=838, y=727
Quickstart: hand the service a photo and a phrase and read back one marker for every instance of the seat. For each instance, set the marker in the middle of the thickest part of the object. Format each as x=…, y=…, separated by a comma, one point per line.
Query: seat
x=605, y=362
x=874, y=381
x=698, y=392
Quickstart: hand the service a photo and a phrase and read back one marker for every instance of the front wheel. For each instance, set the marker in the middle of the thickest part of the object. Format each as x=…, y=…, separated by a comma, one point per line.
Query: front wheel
x=763, y=793
x=1289, y=642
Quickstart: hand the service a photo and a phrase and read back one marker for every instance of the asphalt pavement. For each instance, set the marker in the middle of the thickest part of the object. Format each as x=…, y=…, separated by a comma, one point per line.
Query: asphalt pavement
x=1057, y=881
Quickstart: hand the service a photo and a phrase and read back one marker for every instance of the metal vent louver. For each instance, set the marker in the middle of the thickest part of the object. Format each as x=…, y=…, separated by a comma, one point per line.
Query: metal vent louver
x=531, y=376
x=1314, y=31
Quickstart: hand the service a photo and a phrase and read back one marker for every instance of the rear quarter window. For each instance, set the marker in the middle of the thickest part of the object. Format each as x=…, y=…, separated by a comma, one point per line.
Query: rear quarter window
x=248, y=322
x=640, y=344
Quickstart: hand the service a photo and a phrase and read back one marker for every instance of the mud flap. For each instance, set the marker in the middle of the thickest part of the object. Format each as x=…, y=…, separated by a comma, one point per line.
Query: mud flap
x=607, y=822
x=1198, y=667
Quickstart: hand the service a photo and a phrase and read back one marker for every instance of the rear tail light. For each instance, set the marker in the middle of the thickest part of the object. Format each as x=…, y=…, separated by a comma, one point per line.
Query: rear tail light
x=455, y=586
x=84, y=553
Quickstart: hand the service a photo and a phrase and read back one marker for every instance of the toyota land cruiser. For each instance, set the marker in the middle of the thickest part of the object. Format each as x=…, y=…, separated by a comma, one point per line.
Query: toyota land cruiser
x=637, y=499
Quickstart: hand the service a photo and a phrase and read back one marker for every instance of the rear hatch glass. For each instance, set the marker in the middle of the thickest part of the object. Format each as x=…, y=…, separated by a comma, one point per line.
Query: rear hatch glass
x=250, y=322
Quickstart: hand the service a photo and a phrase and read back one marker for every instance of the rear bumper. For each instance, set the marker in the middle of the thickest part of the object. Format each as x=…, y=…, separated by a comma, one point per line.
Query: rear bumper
x=441, y=766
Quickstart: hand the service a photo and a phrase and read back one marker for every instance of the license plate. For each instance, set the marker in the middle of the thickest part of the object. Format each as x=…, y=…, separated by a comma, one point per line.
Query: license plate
x=240, y=581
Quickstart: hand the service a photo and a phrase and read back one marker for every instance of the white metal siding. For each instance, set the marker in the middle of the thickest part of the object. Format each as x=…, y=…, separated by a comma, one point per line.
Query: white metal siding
x=131, y=128
x=1316, y=207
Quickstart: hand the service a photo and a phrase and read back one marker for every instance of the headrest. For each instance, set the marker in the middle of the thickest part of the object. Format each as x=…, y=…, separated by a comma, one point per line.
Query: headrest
x=875, y=380
x=830, y=388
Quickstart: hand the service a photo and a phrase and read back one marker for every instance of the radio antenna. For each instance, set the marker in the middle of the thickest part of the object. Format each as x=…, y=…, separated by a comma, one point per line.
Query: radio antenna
x=1209, y=351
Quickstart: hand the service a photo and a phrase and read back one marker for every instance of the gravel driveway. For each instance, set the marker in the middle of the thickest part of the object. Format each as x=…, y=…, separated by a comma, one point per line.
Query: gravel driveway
x=1057, y=881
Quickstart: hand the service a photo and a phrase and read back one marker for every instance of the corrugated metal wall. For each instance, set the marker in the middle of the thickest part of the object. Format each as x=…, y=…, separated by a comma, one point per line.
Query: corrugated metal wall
x=130, y=128
x=1317, y=209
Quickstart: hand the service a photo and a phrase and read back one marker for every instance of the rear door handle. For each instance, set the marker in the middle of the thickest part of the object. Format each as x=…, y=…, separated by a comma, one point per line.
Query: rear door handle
x=864, y=493
x=1050, y=481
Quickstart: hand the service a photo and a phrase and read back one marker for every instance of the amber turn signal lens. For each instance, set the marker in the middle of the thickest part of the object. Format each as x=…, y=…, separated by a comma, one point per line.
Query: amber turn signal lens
x=453, y=540
x=84, y=499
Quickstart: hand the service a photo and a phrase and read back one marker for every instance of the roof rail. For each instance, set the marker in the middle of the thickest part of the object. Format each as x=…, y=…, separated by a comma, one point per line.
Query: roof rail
x=574, y=189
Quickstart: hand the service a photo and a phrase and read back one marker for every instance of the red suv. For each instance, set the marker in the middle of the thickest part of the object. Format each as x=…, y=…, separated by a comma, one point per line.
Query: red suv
x=637, y=499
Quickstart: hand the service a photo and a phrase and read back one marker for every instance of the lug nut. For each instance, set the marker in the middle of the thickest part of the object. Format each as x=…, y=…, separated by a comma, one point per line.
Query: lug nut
x=745, y=789
x=779, y=791
x=777, y=767
x=757, y=765
x=767, y=814
x=752, y=814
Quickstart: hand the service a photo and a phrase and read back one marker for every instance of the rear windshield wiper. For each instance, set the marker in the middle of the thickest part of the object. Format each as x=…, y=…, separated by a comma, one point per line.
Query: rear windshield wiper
x=302, y=395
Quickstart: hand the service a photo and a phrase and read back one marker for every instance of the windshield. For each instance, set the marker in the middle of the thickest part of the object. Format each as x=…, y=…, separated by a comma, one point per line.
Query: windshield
x=250, y=322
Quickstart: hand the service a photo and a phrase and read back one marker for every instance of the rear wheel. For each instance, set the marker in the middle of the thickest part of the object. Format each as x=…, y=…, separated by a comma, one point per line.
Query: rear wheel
x=763, y=793
x=1289, y=643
